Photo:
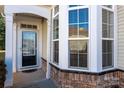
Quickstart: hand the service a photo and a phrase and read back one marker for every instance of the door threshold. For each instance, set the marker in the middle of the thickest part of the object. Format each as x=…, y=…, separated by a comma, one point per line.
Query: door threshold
x=29, y=68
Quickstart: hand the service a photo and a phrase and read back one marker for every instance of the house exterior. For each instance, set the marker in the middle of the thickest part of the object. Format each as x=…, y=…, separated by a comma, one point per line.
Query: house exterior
x=76, y=45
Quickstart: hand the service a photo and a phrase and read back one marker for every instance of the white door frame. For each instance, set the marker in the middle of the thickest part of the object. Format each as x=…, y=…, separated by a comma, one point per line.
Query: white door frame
x=19, y=63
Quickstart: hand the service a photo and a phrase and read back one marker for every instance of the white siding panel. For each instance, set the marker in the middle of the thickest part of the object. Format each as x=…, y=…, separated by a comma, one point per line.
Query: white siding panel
x=120, y=16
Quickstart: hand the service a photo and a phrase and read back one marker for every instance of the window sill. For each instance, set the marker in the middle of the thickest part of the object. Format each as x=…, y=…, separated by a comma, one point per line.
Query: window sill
x=107, y=69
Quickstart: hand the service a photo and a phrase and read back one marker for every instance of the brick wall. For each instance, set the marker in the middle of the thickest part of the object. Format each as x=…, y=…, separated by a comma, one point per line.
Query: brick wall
x=68, y=79
x=44, y=65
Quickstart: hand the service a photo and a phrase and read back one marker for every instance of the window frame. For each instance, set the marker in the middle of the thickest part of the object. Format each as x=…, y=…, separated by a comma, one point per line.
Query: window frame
x=112, y=39
x=80, y=38
x=54, y=39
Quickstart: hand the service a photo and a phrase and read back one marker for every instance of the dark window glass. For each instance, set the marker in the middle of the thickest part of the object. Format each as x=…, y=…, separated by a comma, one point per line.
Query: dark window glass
x=82, y=47
x=56, y=27
x=74, y=5
x=56, y=9
x=78, y=53
x=107, y=53
x=107, y=24
x=56, y=51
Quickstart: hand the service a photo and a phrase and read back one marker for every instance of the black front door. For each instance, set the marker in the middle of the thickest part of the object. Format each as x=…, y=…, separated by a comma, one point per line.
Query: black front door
x=29, y=48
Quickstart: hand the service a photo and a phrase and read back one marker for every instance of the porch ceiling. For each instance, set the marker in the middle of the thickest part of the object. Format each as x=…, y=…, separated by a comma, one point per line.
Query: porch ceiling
x=29, y=15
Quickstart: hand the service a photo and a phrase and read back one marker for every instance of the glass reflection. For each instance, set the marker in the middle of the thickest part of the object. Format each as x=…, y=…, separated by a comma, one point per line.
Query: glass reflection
x=28, y=43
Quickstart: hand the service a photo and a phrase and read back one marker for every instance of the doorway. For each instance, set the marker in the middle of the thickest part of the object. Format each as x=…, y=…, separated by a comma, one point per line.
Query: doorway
x=28, y=49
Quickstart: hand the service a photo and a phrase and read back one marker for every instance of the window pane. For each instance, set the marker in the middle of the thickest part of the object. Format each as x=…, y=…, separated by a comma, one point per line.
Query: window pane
x=110, y=17
x=73, y=31
x=78, y=53
x=73, y=51
x=104, y=46
x=104, y=60
x=109, y=46
x=83, y=15
x=107, y=24
x=82, y=46
x=56, y=51
x=107, y=53
x=56, y=27
x=104, y=16
x=83, y=60
x=110, y=59
x=83, y=30
x=73, y=16
x=56, y=9
x=111, y=31
x=104, y=30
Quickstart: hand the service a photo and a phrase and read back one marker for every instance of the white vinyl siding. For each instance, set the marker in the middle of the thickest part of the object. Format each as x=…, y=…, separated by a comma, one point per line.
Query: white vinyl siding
x=120, y=16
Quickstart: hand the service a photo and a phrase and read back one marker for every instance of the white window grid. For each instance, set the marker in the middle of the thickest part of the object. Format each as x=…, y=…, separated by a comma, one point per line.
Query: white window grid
x=80, y=38
x=109, y=38
x=57, y=39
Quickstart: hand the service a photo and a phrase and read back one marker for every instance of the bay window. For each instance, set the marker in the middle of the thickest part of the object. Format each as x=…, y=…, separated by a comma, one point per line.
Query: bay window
x=78, y=38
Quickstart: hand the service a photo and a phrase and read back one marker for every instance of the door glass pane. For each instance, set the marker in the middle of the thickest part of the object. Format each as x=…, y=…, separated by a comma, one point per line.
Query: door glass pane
x=29, y=45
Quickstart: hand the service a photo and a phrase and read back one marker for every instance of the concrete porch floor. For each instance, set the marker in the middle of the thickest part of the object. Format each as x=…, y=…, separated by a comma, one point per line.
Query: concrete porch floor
x=34, y=79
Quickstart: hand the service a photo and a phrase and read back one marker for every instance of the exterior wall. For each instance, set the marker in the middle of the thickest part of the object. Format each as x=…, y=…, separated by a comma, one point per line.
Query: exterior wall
x=46, y=6
x=120, y=33
x=69, y=79
x=44, y=39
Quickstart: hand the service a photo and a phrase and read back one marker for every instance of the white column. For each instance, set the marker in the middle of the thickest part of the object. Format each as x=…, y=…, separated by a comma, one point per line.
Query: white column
x=95, y=38
x=14, y=47
x=63, y=36
x=9, y=49
x=48, y=49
